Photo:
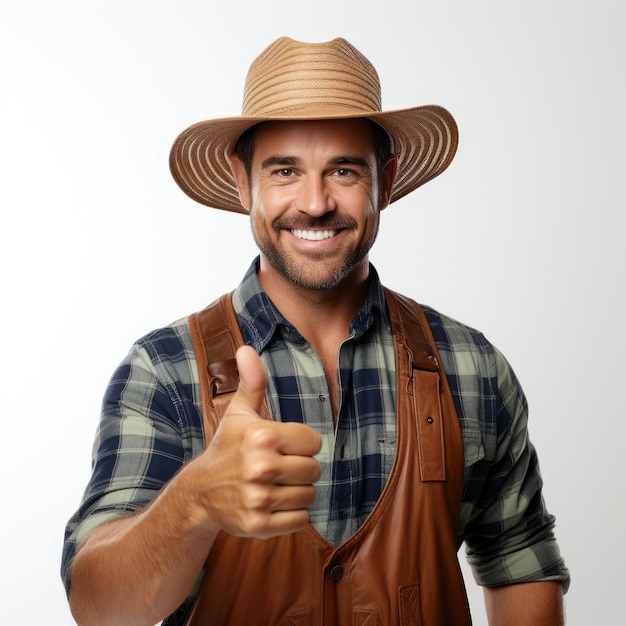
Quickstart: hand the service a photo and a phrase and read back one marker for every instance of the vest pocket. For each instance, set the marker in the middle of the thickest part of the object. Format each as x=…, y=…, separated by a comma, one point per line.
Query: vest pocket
x=366, y=618
x=410, y=606
x=299, y=619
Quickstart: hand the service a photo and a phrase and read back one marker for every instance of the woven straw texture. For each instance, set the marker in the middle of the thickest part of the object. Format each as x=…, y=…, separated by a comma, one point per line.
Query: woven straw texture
x=291, y=80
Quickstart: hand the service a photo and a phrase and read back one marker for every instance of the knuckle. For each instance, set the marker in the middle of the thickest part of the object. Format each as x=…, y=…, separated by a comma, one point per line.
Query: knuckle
x=316, y=471
x=258, y=500
x=261, y=437
x=312, y=494
x=255, y=525
x=258, y=470
x=307, y=496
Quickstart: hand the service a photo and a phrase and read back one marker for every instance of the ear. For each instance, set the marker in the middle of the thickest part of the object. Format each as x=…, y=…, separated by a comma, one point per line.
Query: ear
x=390, y=170
x=241, y=178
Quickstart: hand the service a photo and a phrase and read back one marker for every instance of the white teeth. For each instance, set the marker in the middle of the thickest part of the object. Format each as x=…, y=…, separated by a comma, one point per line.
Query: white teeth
x=314, y=235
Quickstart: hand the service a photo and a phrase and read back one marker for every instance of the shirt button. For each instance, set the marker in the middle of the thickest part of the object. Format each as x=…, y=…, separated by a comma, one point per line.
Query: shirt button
x=336, y=573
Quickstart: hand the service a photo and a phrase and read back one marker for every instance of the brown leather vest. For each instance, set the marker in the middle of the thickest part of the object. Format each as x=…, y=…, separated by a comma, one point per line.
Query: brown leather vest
x=401, y=566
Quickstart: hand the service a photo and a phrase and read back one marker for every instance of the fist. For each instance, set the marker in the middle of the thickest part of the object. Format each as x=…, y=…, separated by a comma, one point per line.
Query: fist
x=258, y=474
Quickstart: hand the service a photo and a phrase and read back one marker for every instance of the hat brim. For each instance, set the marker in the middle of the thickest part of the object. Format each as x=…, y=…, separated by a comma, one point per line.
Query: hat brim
x=424, y=139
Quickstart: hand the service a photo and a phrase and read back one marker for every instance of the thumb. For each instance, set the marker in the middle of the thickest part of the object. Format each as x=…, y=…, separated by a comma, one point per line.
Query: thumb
x=252, y=380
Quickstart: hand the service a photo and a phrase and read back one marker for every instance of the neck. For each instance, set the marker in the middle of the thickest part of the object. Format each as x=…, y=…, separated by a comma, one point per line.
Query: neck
x=320, y=315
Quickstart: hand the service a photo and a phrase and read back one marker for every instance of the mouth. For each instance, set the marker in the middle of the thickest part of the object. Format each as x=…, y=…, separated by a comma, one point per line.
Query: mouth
x=313, y=235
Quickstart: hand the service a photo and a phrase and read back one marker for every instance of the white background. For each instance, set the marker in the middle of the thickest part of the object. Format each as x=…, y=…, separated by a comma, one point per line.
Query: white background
x=522, y=237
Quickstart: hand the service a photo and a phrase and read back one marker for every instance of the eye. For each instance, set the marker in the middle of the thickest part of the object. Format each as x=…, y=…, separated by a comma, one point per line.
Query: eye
x=343, y=172
x=284, y=172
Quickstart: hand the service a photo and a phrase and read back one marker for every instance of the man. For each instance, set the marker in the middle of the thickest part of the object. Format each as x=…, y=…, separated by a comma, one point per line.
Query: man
x=349, y=504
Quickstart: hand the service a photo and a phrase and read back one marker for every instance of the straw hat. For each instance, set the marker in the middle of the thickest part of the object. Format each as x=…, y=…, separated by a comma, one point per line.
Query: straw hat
x=292, y=80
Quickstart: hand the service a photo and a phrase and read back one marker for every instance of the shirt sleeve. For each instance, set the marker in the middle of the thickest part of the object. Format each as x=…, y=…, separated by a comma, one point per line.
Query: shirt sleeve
x=504, y=523
x=149, y=427
x=509, y=533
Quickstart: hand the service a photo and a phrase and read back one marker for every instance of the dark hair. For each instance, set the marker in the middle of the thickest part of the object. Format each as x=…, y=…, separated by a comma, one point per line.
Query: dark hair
x=244, y=146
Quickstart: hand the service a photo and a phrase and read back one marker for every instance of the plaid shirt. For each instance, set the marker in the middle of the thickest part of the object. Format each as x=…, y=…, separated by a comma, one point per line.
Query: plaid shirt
x=151, y=425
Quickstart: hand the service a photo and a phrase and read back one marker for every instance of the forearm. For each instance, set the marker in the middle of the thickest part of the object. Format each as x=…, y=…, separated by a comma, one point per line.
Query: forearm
x=526, y=604
x=137, y=570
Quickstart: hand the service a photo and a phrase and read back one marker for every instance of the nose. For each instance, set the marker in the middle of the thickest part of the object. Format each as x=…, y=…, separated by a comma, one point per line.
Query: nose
x=314, y=197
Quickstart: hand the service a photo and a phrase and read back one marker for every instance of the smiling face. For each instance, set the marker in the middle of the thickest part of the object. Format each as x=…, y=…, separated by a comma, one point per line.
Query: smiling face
x=314, y=196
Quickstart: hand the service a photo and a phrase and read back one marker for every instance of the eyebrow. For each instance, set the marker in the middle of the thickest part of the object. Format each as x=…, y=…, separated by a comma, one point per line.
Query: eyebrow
x=284, y=161
x=273, y=161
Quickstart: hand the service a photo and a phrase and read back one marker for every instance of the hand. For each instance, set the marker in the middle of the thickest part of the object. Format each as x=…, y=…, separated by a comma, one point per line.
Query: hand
x=258, y=474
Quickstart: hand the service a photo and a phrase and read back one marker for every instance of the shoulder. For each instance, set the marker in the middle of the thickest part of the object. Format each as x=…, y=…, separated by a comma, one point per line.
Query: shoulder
x=160, y=374
x=488, y=397
x=167, y=352
x=451, y=332
x=172, y=340
x=464, y=350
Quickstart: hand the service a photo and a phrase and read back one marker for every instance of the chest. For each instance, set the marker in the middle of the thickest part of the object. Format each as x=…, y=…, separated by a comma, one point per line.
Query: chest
x=328, y=389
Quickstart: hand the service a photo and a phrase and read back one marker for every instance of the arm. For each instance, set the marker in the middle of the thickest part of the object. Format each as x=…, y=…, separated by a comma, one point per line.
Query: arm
x=138, y=569
x=525, y=604
x=510, y=533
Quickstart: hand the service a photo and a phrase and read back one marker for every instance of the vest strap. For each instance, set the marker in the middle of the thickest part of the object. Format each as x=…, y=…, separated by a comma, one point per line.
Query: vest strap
x=216, y=337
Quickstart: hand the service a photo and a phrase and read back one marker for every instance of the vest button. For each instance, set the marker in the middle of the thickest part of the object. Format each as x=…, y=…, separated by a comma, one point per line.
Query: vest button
x=336, y=573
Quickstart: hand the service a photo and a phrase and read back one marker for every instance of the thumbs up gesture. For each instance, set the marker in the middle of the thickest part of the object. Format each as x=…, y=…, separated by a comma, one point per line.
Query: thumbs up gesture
x=257, y=474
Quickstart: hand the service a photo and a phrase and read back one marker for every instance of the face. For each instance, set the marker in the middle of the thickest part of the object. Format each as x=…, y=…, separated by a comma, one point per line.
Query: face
x=315, y=197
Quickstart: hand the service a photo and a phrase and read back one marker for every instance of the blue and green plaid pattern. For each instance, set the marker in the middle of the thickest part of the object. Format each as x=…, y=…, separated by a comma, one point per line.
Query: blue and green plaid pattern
x=151, y=425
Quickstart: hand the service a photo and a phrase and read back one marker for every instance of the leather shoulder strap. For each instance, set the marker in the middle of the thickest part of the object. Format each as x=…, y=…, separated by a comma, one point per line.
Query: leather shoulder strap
x=216, y=337
x=426, y=380
x=407, y=319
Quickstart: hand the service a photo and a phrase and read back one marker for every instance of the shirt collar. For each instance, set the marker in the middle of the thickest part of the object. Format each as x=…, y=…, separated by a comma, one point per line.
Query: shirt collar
x=260, y=320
